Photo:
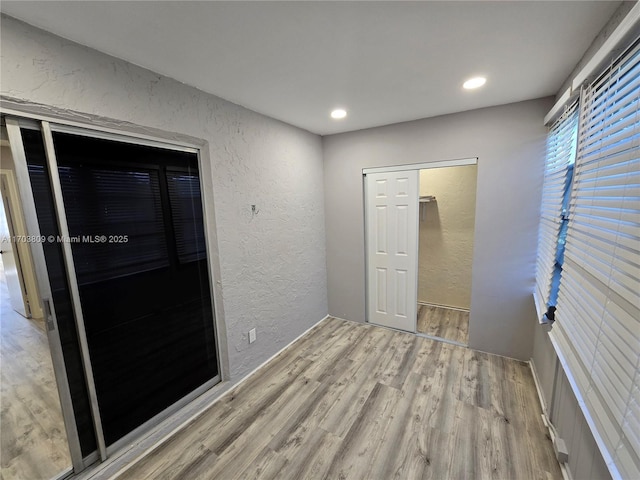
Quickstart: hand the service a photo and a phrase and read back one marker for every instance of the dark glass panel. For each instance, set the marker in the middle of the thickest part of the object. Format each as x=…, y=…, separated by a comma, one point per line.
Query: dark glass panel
x=45, y=210
x=121, y=216
x=186, y=212
x=147, y=301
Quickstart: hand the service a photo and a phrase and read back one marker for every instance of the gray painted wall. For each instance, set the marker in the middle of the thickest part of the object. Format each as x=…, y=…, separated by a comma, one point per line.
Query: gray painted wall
x=585, y=459
x=509, y=142
x=545, y=362
x=617, y=17
x=272, y=266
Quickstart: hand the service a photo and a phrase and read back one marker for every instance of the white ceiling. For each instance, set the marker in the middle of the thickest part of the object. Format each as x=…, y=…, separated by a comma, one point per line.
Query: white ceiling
x=384, y=62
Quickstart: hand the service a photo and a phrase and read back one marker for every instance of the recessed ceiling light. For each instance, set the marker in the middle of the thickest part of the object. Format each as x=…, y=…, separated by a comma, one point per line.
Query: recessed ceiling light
x=474, y=82
x=338, y=113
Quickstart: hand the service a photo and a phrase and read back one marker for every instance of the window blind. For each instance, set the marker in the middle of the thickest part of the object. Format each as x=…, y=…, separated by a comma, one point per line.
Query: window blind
x=186, y=213
x=114, y=203
x=560, y=154
x=597, y=328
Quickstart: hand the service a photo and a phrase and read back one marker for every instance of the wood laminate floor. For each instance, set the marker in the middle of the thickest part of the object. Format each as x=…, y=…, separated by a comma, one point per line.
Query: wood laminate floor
x=444, y=323
x=33, y=442
x=355, y=401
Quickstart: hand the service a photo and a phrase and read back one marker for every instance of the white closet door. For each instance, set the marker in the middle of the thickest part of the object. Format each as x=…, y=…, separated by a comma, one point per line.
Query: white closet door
x=392, y=248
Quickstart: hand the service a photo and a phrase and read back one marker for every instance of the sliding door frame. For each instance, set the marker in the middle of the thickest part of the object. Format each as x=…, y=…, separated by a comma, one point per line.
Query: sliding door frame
x=74, y=291
x=15, y=120
x=397, y=168
x=44, y=289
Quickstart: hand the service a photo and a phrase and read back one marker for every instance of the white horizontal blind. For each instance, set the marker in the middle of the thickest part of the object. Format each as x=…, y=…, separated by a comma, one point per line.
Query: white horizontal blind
x=597, y=324
x=560, y=153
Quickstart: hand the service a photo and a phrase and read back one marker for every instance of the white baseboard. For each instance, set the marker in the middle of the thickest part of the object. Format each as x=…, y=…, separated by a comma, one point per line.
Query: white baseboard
x=566, y=473
x=114, y=467
x=536, y=380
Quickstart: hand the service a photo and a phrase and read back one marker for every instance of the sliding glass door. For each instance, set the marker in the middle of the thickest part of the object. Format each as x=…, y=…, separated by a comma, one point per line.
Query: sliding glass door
x=123, y=234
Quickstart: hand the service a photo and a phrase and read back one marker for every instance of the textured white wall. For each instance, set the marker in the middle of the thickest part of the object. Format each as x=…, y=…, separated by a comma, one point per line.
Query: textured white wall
x=509, y=141
x=273, y=271
x=446, y=236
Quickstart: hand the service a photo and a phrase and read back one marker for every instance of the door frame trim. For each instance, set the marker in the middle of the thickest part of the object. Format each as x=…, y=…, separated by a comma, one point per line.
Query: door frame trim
x=30, y=116
x=15, y=224
x=422, y=166
x=206, y=185
x=93, y=127
x=398, y=168
x=104, y=450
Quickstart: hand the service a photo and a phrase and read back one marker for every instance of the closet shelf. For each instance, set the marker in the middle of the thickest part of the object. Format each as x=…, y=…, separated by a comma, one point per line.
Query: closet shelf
x=423, y=207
